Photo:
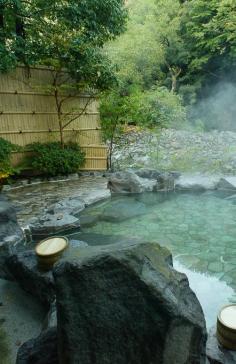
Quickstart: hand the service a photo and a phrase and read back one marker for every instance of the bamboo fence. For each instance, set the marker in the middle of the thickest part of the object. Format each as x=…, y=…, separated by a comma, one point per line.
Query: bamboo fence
x=28, y=114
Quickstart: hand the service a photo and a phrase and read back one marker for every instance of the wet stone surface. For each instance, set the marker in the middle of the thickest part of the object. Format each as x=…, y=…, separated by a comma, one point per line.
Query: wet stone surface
x=34, y=200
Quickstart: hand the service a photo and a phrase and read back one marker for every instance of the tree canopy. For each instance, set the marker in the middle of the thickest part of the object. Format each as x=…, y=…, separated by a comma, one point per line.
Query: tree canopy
x=62, y=34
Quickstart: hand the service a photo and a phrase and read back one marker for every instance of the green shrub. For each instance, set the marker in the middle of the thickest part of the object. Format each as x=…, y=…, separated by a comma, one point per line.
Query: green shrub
x=156, y=107
x=52, y=160
x=6, y=148
x=160, y=107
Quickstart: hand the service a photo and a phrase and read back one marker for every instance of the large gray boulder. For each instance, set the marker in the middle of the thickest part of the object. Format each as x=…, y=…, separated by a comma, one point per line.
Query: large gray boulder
x=8, y=221
x=196, y=182
x=11, y=235
x=216, y=354
x=53, y=224
x=127, y=305
x=129, y=182
x=148, y=173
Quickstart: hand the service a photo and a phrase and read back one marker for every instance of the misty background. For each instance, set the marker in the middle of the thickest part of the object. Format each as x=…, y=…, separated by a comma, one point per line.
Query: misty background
x=217, y=110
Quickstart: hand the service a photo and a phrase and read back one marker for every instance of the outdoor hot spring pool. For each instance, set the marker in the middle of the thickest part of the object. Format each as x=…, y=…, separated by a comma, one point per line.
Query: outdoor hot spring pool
x=198, y=228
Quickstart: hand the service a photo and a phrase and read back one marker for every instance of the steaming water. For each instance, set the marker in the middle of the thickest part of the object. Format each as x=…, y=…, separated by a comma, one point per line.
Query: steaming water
x=199, y=229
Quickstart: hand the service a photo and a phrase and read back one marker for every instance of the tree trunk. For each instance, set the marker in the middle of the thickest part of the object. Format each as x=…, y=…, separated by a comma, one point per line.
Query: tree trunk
x=61, y=131
x=175, y=72
x=110, y=153
x=59, y=113
x=2, y=35
x=19, y=24
x=1, y=17
x=20, y=33
x=174, y=83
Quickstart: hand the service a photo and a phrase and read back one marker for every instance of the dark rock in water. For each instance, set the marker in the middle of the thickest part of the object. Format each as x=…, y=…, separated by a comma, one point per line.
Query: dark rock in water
x=42, y=350
x=148, y=173
x=25, y=271
x=216, y=354
x=49, y=224
x=118, y=211
x=227, y=183
x=127, y=305
x=129, y=182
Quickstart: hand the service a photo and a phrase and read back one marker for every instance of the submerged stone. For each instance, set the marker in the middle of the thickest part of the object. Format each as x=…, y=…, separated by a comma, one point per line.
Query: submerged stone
x=119, y=211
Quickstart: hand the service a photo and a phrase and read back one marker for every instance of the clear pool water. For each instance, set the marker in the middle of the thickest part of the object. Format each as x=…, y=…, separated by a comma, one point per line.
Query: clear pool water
x=198, y=228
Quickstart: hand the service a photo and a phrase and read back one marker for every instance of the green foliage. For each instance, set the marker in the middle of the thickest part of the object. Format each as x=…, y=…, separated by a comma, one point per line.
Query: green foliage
x=51, y=159
x=6, y=149
x=138, y=52
x=208, y=29
x=186, y=46
x=160, y=107
x=151, y=108
x=61, y=34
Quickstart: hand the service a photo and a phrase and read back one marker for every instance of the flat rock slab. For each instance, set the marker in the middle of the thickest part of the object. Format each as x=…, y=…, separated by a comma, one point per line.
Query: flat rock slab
x=125, y=305
x=196, y=182
x=53, y=224
x=70, y=205
x=216, y=354
x=95, y=196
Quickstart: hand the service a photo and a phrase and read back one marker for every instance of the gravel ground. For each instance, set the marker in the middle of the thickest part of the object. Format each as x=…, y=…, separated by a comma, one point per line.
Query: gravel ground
x=185, y=151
